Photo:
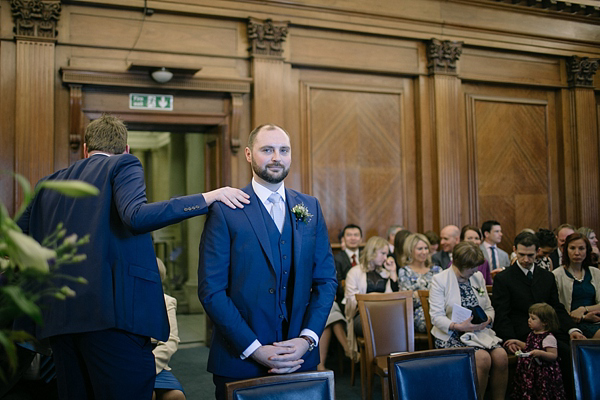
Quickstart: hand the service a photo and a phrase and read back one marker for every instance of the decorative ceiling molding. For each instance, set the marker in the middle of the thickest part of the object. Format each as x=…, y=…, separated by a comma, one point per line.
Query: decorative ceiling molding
x=267, y=37
x=582, y=8
x=35, y=18
x=442, y=56
x=143, y=80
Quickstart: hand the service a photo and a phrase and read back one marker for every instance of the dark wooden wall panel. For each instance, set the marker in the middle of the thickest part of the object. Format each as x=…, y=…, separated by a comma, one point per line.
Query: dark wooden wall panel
x=356, y=157
x=511, y=163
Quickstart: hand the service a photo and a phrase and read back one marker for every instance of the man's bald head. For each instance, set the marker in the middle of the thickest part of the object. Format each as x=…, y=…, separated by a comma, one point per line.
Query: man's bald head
x=450, y=236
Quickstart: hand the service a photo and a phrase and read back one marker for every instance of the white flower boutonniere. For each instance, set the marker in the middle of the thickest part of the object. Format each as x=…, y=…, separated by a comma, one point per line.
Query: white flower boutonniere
x=479, y=290
x=301, y=213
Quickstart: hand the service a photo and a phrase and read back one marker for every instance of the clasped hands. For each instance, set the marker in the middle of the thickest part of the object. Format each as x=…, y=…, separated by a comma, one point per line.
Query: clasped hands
x=580, y=315
x=282, y=357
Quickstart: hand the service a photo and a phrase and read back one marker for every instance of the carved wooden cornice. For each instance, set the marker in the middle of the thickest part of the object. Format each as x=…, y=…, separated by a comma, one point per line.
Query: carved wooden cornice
x=267, y=37
x=35, y=18
x=442, y=56
x=580, y=71
x=582, y=8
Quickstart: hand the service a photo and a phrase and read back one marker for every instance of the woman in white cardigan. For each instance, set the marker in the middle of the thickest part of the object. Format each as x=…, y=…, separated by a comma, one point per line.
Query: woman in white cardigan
x=376, y=272
x=579, y=285
x=463, y=285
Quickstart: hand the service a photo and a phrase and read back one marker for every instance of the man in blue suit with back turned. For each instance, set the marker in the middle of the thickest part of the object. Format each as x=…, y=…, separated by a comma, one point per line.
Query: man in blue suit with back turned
x=101, y=337
x=266, y=275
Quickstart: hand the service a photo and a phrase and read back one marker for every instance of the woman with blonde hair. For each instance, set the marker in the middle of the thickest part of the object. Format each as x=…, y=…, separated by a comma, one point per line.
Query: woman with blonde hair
x=376, y=272
x=417, y=273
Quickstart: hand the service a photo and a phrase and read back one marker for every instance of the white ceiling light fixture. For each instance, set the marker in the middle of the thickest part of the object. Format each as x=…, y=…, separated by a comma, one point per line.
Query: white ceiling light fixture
x=162, y=75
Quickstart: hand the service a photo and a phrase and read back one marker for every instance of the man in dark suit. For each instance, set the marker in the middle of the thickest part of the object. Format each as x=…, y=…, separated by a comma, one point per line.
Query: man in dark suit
x=522, y=285
x=266, y=275
x=348, y=257
x=450, y=236
x=101, y=337
x=562, y=232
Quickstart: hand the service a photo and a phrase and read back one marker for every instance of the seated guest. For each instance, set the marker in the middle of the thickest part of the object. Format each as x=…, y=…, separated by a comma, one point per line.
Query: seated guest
x=391, y=235
x=449, y=238
x=335, y=324
x=417, y=273
x=348, y=257
x=548, y=244
x=579, y=285
x=492, y=236
x=513, y=255
x=561, y=232
x=434, y=241
x=519, y=287
x=591, y=235
x=463, y=285
x=166, y=386
x=470, y=233
x=375, y=273
x=399, y=245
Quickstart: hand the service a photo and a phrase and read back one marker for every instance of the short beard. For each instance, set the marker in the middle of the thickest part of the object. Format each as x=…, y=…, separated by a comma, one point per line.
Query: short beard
x=268, y=176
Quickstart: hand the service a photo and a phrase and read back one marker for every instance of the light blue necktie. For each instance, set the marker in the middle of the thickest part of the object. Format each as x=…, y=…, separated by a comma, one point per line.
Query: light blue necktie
x=494, y=264
x=276, y=210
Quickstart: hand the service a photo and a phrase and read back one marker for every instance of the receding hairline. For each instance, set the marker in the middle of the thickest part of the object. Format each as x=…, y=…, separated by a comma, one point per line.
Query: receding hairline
x=263, y=127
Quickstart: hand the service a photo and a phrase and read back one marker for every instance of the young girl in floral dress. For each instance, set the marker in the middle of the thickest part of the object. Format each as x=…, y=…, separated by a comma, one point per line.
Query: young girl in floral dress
x=538, y=374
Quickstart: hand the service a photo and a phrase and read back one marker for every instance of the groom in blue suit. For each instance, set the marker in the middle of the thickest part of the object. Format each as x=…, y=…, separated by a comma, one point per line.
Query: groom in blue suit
x=101, y=337
x=266, y=274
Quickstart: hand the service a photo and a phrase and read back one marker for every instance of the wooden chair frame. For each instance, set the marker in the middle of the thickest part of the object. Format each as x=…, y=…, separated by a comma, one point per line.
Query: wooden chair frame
x=392, y=359
x=282, y=380
x=404, y=299
x=575, y=343
x=424, y=297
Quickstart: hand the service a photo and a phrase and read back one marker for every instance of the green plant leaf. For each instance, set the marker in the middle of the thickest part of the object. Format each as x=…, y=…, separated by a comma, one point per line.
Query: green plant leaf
x=23, y=303
x=27, y=252
x=71, y=188
x=9, y=349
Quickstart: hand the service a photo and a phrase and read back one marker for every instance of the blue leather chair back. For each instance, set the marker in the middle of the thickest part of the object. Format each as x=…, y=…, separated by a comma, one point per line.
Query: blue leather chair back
x=586, y=368
x=300, y=386
x=434, y=374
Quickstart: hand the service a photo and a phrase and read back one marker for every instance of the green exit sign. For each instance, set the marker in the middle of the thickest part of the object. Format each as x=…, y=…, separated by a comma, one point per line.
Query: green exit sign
x=161, y=102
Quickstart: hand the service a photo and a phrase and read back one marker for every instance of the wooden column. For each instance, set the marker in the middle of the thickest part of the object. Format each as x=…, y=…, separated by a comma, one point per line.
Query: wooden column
x=35, y=28
x=447, y=140
x=584, y=139
x=268, y=70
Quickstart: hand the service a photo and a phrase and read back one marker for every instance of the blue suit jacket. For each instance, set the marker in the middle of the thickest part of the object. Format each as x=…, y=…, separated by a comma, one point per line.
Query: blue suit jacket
x=124, y=289
x=236, y=279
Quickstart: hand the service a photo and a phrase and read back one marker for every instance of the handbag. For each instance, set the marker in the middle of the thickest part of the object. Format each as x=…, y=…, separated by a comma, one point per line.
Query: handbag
x=479, y=316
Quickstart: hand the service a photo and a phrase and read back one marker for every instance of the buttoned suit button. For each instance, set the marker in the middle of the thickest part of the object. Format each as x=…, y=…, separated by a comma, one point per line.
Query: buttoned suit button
x=271, y=290
x=280, y=316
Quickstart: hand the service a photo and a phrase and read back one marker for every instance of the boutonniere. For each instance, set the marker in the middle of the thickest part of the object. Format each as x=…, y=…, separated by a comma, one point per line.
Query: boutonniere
x=479, y=290
x=301, y=213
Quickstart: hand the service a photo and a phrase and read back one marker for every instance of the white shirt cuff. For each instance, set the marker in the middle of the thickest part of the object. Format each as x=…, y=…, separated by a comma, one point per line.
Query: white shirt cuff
x=250, y=349
x=575, y=330
x=311, y=334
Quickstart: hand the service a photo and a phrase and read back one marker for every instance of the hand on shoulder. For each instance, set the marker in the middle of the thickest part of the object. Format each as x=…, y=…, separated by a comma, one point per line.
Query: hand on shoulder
x=231, y=197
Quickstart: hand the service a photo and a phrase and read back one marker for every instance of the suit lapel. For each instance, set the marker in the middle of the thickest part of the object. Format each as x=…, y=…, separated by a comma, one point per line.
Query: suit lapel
x=254, y=214
x=297, y=226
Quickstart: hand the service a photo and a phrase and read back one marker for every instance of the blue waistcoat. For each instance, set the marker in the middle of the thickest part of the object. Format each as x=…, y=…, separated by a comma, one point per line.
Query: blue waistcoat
x=281, y=245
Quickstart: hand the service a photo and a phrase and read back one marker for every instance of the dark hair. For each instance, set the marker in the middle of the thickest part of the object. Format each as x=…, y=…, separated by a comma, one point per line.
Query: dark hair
x=466, y=228
x=588, y=250
x=467, y=255
x=350, y=226
x=487, y=226
x=527, y=239
x=432, y=237
x=256, y=130
x=546, y=238
x=399, y=245
x=107, y=134
x=547, y=315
